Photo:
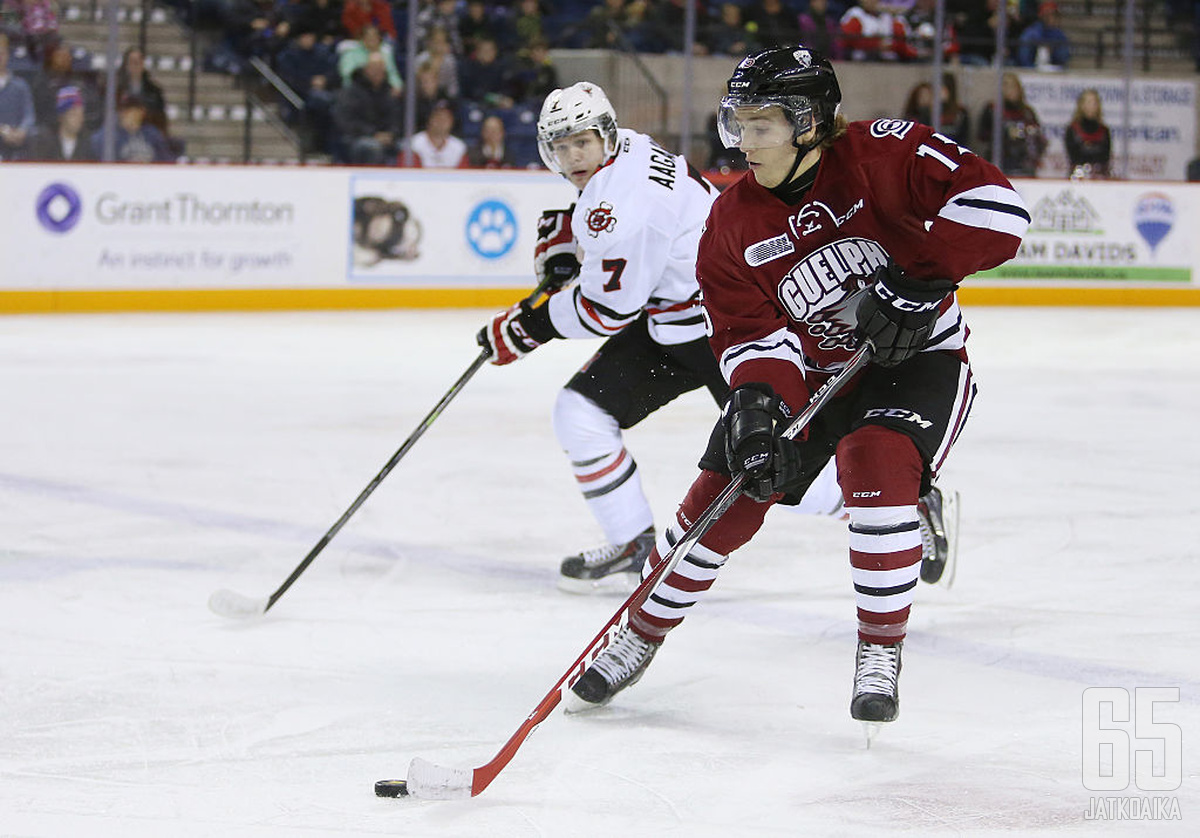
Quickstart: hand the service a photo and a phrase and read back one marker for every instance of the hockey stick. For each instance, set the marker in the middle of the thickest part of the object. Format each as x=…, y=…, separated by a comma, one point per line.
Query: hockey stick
x=429, y=781
x=227, y=603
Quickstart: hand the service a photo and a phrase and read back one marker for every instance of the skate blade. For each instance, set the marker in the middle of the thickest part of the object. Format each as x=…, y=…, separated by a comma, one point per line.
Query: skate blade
x=870, y=731
x=615, y=583
x=950, y=511
x=573, y=705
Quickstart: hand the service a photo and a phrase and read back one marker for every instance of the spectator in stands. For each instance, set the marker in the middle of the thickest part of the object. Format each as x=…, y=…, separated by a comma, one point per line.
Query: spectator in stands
x=439, y=15
x=921, y=22
x=65, y=141
x=58, y=71
x=479, y=21
x=484, y=77
x=666, y=21
x=604, y=24
x=534, y=75
x=1044, y=43
x=490, y=151
x=772, y=24
x=307, y=66
x=728, y=35
x=439, y=55
x=1087, y=139
x=429, y=93
x=436, y=147
x=872, y=33
x=358, y=14
x=353, y=55
x=39, y=23
x=956, y=119
x=366, y=115
x=133, y=78
x=643, y=27
x=324, y=17
x=528, y=23
x=919, y=104
x=976, y=24
x=17, y=117
x=955, y=122
x=251, y=28
x=1022, y=142
x=821, y=30
x=136, y=140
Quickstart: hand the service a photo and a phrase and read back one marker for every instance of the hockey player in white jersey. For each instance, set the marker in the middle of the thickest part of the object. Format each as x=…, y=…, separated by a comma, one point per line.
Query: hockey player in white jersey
x=626, y=255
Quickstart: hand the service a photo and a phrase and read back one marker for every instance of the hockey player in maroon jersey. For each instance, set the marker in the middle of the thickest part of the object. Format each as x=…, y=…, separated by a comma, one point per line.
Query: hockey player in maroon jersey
x=840, y=233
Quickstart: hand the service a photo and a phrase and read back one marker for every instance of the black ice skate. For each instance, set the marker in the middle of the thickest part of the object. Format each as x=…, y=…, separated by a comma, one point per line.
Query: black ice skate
x=876, y=683
x=613, y=567
x=618, y=667
x=937, y=517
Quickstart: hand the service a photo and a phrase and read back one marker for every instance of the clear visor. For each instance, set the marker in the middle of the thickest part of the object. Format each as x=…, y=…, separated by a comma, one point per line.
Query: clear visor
x=759, y=122
x=556, y=145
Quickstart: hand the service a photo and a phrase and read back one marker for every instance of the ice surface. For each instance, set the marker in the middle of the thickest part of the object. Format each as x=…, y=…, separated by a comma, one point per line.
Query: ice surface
x=149, y=460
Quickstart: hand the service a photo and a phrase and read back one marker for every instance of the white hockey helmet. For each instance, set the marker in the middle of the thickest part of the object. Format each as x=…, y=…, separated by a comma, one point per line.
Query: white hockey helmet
x=570, y=110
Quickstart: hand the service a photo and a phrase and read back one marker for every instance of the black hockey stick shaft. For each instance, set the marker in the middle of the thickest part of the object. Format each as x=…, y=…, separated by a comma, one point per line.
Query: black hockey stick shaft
x=475, y=366
x=467, y=375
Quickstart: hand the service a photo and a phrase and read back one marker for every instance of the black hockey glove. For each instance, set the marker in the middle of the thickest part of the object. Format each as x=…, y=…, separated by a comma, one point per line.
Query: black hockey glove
x=555, y=262
x=754, y=446
x=897, y=314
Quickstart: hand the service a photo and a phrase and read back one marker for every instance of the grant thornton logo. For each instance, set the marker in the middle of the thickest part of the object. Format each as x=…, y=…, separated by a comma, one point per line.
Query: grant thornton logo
x=59, y=208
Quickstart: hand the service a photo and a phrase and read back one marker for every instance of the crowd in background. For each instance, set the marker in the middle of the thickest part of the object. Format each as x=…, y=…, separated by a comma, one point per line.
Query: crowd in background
x=1087, y=139
x=52, y=98
x=481, y=72
x=487, y=63
x=483, y=67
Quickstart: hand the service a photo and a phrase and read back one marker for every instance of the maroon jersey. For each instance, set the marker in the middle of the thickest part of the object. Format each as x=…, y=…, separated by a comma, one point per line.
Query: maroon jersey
x=779, y=281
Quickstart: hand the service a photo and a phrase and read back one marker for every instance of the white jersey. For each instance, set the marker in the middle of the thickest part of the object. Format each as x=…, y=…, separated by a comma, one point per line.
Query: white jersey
x=638, y=223
x=452, y=154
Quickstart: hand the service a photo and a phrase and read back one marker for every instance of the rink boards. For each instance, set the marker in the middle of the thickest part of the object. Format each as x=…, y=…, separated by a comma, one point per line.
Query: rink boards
x=130, y=238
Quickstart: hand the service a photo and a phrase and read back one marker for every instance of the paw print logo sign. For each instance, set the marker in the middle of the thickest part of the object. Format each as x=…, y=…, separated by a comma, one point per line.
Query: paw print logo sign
x=491, y=229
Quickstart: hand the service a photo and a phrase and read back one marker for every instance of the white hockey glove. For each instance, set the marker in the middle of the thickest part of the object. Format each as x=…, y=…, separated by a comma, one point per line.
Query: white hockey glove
x=506, y=337
x=555, y=262
x=897, y=314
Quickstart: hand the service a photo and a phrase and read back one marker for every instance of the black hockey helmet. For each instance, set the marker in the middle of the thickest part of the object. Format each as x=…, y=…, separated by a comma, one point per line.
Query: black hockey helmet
x=796, y=79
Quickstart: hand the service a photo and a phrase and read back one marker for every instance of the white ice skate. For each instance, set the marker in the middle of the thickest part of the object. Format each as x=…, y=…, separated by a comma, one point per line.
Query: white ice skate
x=613, y=567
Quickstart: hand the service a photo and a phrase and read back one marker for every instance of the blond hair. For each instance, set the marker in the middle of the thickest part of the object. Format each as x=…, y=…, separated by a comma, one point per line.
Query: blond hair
x=1078, y=115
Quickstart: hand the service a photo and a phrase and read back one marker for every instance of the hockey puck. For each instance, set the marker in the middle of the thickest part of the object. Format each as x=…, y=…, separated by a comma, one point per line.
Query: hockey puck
x=391, y=788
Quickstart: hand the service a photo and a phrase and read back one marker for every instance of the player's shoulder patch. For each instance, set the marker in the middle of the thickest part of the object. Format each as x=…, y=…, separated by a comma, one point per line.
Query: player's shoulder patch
x=897, y=128
x=611, y=206
x=600, y=217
